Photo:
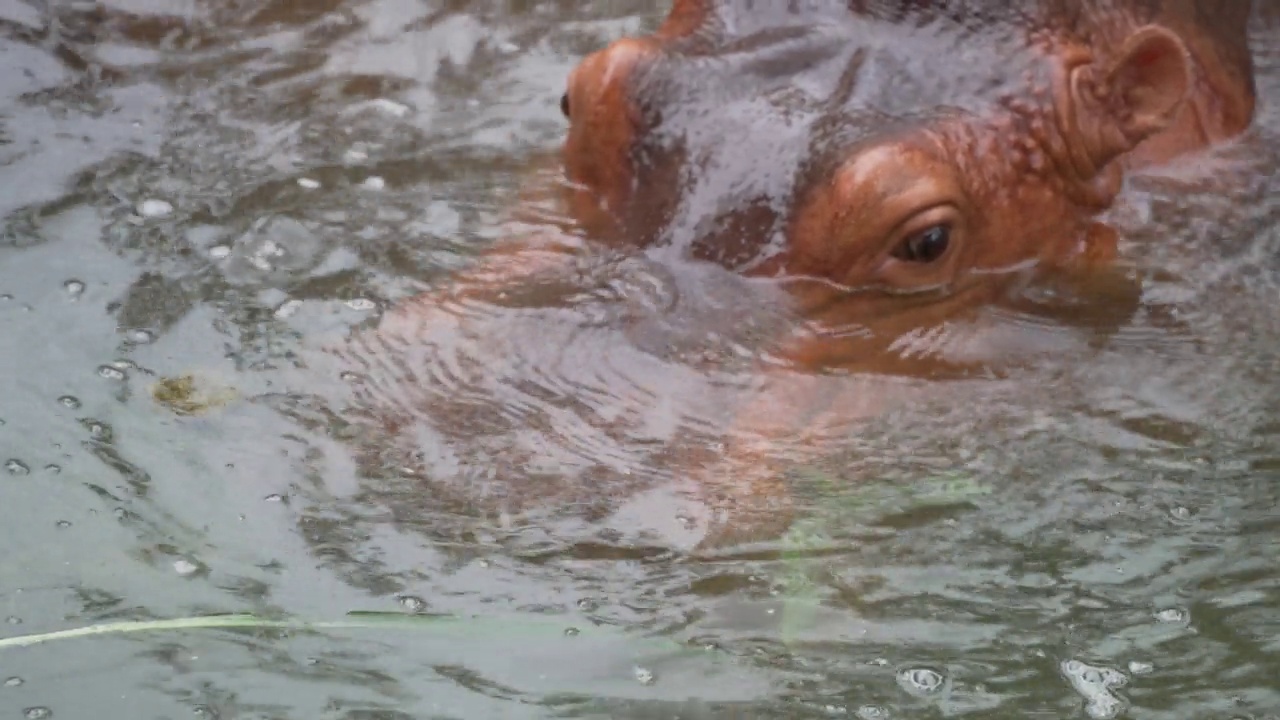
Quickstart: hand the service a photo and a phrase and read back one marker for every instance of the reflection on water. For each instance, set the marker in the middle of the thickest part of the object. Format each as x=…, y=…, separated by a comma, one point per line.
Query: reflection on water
x=221, y=395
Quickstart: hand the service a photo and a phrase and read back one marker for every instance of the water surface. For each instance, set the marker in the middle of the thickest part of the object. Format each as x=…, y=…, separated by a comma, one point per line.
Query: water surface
x=219, y=396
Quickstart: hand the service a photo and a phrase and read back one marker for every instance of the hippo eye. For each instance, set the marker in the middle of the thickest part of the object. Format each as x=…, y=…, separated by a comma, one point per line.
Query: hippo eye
x=924, y=246
x=564, y=104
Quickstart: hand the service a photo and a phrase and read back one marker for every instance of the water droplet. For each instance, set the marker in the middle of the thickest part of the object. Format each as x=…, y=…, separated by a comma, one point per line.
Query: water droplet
x=373, y=183
x=37, y=713
x=217, y=252
x=14, y=681
x=74, y=288
x=1173, y=615
x=185, y=568
x=921, y=681
x=63, y=524
x=53, y=469
x=412, y=603
x=308, y=184
x=572, y=632
x=361, y=304
x=154, y=208
x=140, y=336
x=111, y=373
x=1140, y=668
x=643, y=675
x=70, y=402
x=16, y=467
x=288, y=308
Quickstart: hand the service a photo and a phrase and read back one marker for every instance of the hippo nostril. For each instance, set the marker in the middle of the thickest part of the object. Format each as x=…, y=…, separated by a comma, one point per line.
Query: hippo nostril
x=564, y=105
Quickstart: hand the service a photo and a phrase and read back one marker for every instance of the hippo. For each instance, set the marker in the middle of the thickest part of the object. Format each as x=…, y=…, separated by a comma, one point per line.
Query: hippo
x=801, y=140
x=887, y=162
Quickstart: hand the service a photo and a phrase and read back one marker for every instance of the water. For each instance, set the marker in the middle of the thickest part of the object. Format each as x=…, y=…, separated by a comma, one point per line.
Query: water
x=218, y=397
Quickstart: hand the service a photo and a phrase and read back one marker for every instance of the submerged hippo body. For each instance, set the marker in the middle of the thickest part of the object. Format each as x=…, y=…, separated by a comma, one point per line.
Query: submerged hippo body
x=896, y=148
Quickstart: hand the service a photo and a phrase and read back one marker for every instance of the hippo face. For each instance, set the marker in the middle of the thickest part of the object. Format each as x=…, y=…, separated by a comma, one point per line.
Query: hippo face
x=877, y=157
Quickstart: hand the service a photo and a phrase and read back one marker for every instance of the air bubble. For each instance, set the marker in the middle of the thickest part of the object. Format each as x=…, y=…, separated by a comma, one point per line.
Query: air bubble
x=70, y=402
x=63, y=524
x=141, y=336
x=1173, y=615
x=14, y=681
x=154, y=208
x=921, y=681
x=74, y=288
x=185, y=568
x=111, y=373
x=98, y=431
x=217, y=252
x=274, y=498
x=572, y=632
x=13, y=620
x=37, y=713
x=373, y=183
x=361, y=304
x=308, y=184
x=1095, y=685
x=16, y=467
x=644, y=675
x=871, y=712
x=1141, y=668
x=412, y=603
x=53, y=469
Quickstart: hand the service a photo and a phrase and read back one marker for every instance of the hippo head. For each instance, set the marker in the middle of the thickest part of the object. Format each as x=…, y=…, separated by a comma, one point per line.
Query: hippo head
x=883, y=155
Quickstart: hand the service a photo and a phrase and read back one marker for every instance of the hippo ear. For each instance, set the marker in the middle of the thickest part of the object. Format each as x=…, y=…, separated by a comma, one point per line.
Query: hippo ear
x=1136, y=95
x=1148, y=82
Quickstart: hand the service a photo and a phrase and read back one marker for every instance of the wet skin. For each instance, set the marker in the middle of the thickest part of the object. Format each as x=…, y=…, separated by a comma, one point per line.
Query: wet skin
x=763, y=139
x=891, y=164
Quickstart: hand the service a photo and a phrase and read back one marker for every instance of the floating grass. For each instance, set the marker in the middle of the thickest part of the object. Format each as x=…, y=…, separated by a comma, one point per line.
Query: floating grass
x=467, y=627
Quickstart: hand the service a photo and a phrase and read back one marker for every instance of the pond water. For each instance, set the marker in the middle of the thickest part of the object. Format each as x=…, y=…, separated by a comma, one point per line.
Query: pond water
x=218, y=398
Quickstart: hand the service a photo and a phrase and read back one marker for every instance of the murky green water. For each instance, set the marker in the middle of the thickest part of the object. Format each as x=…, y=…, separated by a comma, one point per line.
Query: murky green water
x=207, y=207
